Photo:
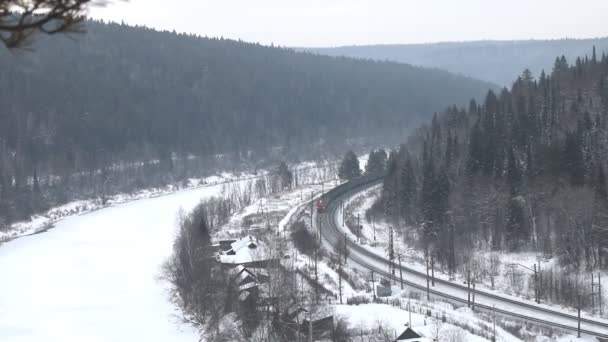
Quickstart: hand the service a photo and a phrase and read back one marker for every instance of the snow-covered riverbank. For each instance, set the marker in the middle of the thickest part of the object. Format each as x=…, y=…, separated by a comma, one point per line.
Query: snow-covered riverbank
x=94, y=277
x=45, y=221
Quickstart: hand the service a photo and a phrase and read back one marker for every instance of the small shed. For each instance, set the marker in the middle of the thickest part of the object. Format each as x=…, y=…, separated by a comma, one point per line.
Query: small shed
x=383, y=291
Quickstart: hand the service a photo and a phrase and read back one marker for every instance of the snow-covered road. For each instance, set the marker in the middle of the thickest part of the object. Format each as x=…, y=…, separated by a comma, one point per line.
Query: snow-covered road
x=95, y=277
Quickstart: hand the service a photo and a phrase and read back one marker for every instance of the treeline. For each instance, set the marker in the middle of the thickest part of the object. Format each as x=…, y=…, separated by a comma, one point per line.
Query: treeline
x=492, y=61
x=120, y=95
x=523, y=171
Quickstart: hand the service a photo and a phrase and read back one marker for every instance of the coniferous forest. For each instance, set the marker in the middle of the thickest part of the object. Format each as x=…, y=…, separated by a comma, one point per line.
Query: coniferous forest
x=524, y=170
x=121, y=108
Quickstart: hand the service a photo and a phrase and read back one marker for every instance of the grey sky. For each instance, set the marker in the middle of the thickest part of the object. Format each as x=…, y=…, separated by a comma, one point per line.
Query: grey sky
x=347, y=22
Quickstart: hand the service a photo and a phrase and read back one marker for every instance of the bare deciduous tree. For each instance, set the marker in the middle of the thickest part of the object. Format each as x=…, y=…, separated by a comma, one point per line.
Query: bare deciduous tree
x=20, y=19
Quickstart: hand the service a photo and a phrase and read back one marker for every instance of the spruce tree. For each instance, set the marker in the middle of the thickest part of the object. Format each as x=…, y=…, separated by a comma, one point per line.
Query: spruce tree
x=600, y=188
x=349, y=168
x=285, y=176
x=376, y=162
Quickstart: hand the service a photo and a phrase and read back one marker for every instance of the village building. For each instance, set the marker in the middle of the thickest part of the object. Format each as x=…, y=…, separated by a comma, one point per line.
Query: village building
x=248, y=252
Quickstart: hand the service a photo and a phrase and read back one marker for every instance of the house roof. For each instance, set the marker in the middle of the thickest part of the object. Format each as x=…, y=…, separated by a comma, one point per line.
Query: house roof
x=242, y=278
x=408, y=334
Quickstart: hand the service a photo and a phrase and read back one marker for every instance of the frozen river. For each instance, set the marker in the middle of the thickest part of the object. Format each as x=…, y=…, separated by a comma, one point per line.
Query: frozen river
x=95, y=277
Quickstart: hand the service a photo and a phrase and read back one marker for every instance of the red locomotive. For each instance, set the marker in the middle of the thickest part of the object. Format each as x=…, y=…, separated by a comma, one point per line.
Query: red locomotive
x=321, y=205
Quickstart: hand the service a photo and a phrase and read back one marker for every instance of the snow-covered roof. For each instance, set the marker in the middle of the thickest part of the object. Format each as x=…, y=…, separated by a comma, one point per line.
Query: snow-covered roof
x=244, y=250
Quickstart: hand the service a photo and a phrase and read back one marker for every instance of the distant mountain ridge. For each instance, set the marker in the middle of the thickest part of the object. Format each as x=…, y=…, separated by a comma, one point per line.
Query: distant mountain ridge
x=492, y=61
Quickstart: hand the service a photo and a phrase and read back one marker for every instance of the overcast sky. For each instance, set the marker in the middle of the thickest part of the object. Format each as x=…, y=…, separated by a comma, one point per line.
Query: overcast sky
x=309, y=23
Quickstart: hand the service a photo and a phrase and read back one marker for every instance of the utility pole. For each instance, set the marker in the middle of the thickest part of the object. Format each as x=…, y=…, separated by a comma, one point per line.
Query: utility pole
x=373, y=227
x=599, y=286
x=359, y=227
x=432, y=269
x=494, y=323
x=345, y=248
x=428, y=293
x=310, y=327
x=311, y=208
x=316, y=269
x=592, y=293
x=579, y=316
x=536, y=285
x=473, y=304
x=343, y=214
x=468, y=288
x=302, y=287
x=540, y=282
x=340, y=277
x=400, y=271
x=409, y=308
x=298, y=337
x=391, y=252
x=373, y=287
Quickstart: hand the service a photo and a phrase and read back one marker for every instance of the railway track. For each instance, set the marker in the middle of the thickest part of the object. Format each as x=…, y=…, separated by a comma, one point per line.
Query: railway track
x=452, y=291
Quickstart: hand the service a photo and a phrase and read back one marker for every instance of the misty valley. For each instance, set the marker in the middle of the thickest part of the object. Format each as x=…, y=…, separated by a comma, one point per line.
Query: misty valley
x=163, y=179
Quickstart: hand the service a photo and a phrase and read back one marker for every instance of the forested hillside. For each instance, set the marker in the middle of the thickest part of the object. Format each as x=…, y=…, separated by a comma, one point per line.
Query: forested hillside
x=124, y=107
x=493, y=61
x=523, y=171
